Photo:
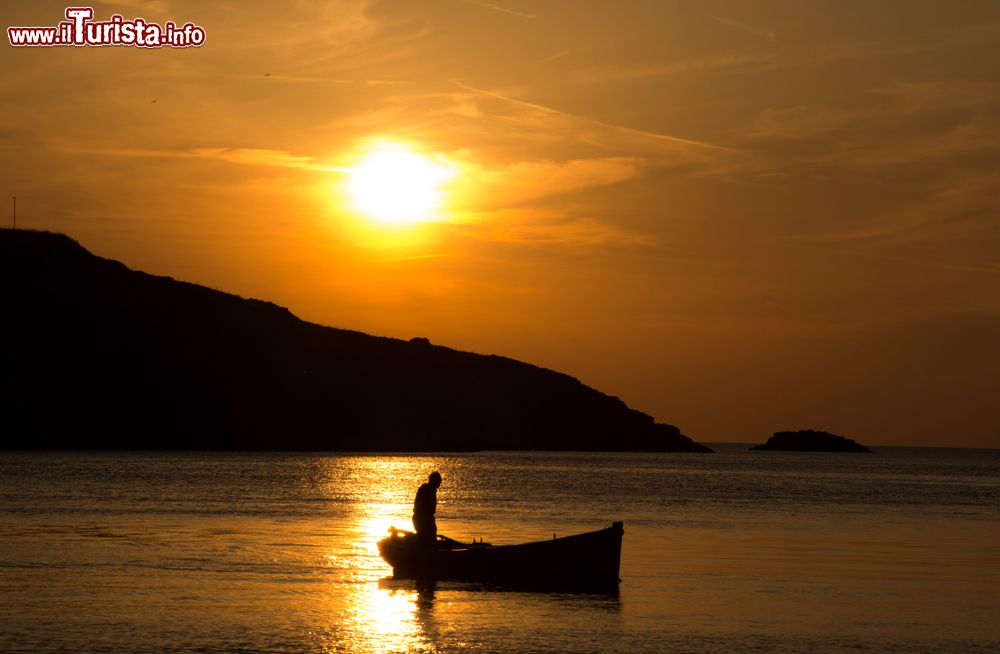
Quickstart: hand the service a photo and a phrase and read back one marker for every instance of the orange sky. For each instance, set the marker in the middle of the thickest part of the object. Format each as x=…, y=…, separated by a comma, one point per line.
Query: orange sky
x=738, y=217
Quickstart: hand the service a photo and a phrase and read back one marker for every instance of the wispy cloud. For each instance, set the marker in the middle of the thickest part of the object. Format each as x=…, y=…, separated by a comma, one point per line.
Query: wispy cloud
x=901, y=126
x=554, y=229
x=800, y=122
x=519, y=203
x=788, y=58
x=937, y=95
x=242, y=156
x=497, y=203
x=717, y=62
x=304, y=79
x=523, y=183
x=498, y=8
x=151, y=7
x=954, y=209
x=744, y=27
x=581, y=232
x=555, y=56
x=549, y=111
x=962, y=140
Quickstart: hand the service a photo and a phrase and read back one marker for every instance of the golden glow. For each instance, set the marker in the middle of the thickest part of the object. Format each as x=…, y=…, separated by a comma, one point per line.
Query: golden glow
x=373, y=613
x=394, y=184
x=385, y=620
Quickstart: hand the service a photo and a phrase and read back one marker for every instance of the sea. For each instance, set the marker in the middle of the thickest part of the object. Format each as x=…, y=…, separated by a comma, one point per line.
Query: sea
x=738, y=551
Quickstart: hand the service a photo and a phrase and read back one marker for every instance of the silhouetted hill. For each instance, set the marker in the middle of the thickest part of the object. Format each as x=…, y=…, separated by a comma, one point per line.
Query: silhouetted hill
x=810, y=440
x=106, y=357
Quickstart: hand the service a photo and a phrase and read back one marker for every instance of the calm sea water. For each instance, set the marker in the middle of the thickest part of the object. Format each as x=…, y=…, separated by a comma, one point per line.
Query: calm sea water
x=735, y=552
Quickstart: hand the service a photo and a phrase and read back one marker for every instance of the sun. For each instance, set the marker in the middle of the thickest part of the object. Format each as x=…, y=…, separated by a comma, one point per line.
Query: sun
x=393, y=184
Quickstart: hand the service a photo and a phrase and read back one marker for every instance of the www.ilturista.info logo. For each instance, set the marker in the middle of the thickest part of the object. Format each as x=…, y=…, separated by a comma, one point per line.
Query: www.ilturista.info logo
x=80, y=29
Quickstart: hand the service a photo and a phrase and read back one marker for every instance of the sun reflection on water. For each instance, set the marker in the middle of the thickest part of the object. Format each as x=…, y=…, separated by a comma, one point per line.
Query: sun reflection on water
x=385, y=620
x=373, y=613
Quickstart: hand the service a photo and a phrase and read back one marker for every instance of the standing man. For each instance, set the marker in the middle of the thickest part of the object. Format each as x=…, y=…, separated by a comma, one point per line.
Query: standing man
x=424, y=507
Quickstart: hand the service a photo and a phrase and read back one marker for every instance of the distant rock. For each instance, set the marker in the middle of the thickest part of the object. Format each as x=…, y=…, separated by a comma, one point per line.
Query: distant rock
x=103, y=357
x=810, y=440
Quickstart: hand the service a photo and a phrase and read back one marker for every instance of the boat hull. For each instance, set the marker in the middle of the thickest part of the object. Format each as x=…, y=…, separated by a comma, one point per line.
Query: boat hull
x=589, y=560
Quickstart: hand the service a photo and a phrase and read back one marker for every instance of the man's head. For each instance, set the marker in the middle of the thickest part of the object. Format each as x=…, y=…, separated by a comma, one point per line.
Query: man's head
x=434, y=479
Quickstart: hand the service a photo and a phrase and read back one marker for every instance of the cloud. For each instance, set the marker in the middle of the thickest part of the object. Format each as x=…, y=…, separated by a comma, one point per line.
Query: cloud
x=962, y=140
x=938, y=95
x=580, y=232
x=790, y=56
x=632, y=72
x=256, y=157
x=242, y=156
x=498, y=8
x=498, y=126
x=743, y=27
x=885, y=109
x=523, y=183
x=494, y=203
x=953, y=210
x=305, y=79
x=799, y=122
x=521, y=203
x=556, y=229
x=555, y=56
x=147, y=7
x=538, y=114
x=337, y=24
x=935, y=131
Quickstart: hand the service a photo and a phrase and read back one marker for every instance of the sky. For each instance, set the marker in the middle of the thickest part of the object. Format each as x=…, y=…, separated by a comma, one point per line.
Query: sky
x=739, y=217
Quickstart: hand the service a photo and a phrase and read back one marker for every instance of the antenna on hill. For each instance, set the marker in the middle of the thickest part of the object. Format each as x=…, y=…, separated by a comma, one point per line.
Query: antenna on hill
x=14, y=197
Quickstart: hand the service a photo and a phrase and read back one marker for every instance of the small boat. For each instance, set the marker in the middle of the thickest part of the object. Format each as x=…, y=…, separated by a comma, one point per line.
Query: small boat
x=582, y=561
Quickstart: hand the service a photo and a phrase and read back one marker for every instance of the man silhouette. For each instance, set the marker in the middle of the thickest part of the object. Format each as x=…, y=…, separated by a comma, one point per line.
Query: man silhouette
x=424, y=507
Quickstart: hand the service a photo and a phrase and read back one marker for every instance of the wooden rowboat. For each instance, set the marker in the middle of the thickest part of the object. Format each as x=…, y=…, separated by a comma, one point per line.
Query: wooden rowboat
x=589, y=560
